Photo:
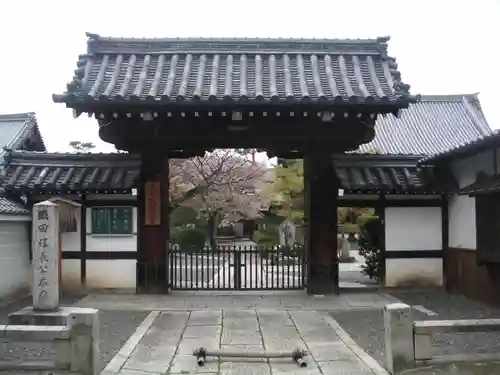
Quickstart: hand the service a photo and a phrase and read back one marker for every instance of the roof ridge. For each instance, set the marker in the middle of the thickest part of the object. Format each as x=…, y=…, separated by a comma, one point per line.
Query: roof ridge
x=97, y=37
x=448, y=97
x=16, y=116
x=97, y=44
x=38, y=153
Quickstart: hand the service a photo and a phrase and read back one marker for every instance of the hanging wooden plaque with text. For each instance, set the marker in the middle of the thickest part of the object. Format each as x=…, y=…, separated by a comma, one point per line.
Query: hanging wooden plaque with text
x=153, y=203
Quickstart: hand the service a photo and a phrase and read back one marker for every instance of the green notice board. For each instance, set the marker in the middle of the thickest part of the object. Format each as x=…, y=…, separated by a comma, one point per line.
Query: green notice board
x=112, y=220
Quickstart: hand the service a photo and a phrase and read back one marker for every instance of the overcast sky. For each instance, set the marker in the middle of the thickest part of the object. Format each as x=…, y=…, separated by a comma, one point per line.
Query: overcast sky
x=442, y=46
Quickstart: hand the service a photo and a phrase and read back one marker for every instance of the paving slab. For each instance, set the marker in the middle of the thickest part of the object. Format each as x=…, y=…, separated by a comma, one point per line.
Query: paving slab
x=287, y=368
x=202, y=331
x=205, y=318
x=344, y=368
x=242, y=368
x=168, y=344
x=186, y=364
x=189, y=301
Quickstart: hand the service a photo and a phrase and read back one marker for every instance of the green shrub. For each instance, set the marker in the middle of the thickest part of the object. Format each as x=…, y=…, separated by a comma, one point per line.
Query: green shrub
x=174, y=235
x=264, y=239
x=192, y=239
x=369, y=244
x=225, y=231
x=182, y=216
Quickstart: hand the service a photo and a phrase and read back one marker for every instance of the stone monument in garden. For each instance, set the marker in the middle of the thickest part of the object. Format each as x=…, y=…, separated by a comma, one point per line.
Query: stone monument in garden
x=286, y=232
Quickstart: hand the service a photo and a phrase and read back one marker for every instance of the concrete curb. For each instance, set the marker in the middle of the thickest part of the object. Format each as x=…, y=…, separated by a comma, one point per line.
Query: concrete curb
x=115, y=365
x=368, y=360
x=198, y=308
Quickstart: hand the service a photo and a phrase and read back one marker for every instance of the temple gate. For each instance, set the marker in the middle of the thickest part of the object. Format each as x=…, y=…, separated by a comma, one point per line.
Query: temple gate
x=164, y=98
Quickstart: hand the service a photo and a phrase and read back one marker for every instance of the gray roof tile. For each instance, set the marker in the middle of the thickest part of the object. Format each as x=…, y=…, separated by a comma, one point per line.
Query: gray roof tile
x=464, y=149
x=433, y=125
x=35, y=172
x=175, y=70
x=8, y=206
x=15, y=129
x=391, y=174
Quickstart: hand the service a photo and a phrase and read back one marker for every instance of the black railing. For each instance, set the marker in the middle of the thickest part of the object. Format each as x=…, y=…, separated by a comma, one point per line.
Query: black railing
x=236, y=268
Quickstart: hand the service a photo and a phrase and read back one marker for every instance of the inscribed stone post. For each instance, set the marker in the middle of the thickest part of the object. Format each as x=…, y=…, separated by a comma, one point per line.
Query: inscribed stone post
x=398, y=325
x=45, y=288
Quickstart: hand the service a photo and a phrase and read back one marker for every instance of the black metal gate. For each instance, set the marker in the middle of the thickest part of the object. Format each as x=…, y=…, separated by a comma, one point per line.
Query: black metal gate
x=236, y=268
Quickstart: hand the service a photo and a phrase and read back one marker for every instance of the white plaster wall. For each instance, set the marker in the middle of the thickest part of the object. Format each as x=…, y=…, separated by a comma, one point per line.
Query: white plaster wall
x=111, y=273
x=413, y=228
x=70, y=241
x=99, y=273
x=70, y=268
x=414, y=272
x=71, y=274
x=15, y=270
x=462, y=222
x=462, y=209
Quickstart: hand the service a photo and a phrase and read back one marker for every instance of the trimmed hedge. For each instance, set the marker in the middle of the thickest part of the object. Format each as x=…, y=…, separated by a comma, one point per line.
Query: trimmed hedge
x=369, y=243
x=264, y=239
x=192, y=239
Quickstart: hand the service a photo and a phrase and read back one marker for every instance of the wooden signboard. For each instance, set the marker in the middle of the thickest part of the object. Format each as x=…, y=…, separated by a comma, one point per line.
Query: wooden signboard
x=153, y=203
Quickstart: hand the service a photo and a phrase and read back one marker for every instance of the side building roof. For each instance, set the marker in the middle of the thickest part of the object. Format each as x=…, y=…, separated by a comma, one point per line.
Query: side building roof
x=436, y=124
x=65, y=173
x=484, y=183
x=18, y=131
x=388, y=174
x=44, y=173
x=481, y=143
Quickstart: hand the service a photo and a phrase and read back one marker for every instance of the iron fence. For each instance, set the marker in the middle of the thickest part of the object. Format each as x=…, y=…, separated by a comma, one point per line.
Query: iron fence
x=236, y=268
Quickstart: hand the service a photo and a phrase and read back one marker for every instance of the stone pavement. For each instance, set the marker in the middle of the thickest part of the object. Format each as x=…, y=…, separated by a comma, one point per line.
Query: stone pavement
x=290, y=300
x=164, y=343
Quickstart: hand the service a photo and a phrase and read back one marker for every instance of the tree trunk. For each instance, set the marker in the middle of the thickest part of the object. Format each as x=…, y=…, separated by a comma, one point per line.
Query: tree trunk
x=212, y=229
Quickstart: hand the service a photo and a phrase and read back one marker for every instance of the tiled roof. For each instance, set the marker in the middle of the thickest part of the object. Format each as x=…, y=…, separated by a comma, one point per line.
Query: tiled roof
x=8, y=206
x=433, y=125
x=15, y=129
x=466, y=148
x=232, y=70
x=66, y=173
x=484, y=184
x=387, y=174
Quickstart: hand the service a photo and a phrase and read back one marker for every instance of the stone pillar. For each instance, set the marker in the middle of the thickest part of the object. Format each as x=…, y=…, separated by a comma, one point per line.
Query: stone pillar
x=321, y=191
x=398, y=325
x=45, y=264
x=153, y=224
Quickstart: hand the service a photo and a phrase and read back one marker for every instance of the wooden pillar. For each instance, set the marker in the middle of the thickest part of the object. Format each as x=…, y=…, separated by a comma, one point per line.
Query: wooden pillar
x=380, y=213
x=445, y=235
x=321, y=192
x=153, y=224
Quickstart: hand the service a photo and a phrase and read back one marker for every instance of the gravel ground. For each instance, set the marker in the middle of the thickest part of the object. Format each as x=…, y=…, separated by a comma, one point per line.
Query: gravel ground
x=367, y=327
x=115, y=329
